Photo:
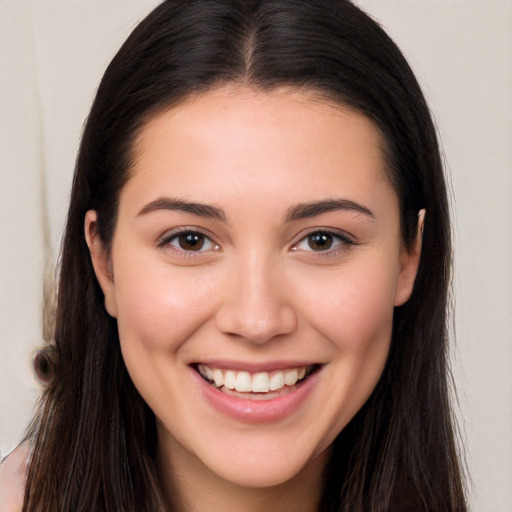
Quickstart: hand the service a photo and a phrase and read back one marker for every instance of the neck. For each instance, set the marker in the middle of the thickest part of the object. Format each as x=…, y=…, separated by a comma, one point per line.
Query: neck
x=191, y=487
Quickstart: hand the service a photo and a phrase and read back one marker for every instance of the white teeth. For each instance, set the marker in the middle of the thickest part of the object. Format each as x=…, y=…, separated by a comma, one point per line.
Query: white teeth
x=218, y=377
x=206, y=371
x=245, y=382
x=276, y=381
x=261, y=383
x=291, y=377
x=230, y=379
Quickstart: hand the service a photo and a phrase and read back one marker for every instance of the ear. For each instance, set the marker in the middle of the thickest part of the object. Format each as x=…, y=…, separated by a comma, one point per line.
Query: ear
x=409, y=263
x=100, y=261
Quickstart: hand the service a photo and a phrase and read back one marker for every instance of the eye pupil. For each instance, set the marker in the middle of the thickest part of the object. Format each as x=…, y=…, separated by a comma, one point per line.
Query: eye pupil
x=191, y=241
x=320, y=241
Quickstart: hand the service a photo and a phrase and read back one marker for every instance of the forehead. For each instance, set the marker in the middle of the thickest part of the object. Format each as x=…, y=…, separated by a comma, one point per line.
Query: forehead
x=249, y=140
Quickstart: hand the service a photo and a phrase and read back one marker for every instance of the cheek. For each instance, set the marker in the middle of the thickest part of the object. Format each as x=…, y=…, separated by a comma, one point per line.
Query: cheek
x=353, y=306
x=354, y=315
x=158, y=308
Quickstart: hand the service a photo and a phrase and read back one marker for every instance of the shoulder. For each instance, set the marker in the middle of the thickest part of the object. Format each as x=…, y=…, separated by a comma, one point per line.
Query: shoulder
x=13, y=470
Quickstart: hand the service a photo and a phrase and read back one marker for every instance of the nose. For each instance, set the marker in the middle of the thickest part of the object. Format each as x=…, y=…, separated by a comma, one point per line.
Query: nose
x=255, y=305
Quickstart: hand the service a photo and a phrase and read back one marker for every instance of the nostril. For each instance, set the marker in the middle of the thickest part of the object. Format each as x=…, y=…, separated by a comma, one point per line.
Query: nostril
x=258, y=330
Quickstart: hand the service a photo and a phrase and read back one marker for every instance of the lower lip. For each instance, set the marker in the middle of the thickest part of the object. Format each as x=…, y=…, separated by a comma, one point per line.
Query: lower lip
x=256, y=411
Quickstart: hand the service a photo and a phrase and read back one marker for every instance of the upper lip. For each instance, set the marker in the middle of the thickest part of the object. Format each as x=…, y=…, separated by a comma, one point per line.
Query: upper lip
x=254, y=367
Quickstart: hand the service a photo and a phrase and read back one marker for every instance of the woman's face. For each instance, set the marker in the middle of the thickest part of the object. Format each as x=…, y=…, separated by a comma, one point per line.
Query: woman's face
x=257, y=247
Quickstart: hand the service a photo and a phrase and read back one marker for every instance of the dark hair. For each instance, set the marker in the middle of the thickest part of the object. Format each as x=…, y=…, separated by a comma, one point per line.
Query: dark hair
x=94, y=437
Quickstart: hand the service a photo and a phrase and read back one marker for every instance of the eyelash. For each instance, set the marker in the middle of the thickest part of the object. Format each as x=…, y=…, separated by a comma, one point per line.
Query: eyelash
x=343, y=242
x=339, y=242
x=167, y=240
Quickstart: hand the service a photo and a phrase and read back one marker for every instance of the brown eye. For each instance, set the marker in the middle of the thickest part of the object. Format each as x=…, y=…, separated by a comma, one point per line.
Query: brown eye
x=320, y=241
x=186, y=241
x=326, y=242
x=191, y=241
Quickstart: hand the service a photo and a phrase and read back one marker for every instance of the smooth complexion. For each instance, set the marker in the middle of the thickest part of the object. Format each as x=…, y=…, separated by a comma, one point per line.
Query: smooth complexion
x=257, y=232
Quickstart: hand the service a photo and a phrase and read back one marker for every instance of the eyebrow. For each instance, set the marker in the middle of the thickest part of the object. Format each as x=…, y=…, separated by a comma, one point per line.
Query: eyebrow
x=309, y=210
x=199, y=209
x=297, y=212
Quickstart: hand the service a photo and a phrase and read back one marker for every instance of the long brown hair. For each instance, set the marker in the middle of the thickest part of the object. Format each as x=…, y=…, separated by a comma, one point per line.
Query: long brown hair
x=94, y=438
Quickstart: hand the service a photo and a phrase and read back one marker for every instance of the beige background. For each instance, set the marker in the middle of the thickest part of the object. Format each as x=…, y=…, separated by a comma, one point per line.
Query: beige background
x=52, y=55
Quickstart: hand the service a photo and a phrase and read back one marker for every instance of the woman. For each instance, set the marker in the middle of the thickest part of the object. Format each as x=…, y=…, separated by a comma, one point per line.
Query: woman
x=253, y=287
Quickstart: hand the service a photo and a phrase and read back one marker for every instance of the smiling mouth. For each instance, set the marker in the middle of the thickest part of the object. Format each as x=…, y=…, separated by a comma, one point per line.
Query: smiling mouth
x=257, y=385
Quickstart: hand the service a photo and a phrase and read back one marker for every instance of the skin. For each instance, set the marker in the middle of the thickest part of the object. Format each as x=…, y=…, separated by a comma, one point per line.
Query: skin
x=12, y=478
x=257, y=292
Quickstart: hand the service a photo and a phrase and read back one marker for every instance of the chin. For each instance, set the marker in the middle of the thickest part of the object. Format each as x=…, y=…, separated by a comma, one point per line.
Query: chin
x=262, y=474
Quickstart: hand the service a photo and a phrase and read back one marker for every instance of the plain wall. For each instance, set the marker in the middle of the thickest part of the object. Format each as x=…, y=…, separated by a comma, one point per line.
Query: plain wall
x=52, y=55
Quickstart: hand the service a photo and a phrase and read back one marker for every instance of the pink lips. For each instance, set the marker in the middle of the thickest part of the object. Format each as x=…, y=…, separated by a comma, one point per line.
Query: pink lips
x=256, y=411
